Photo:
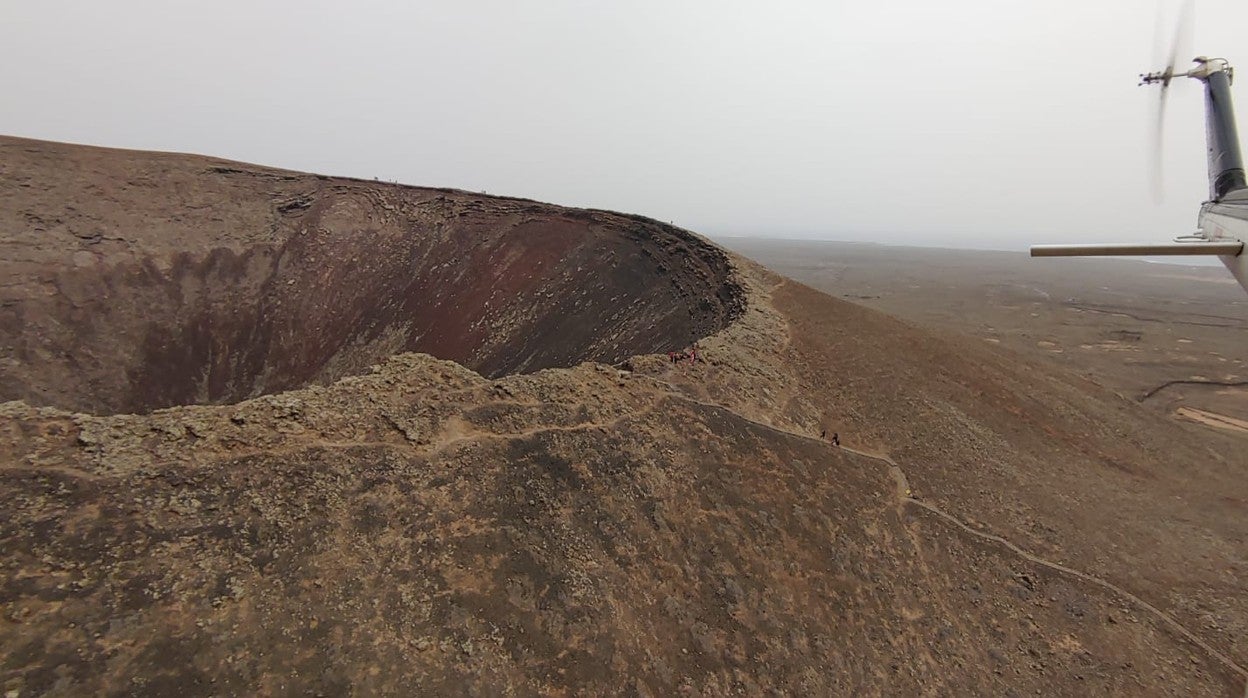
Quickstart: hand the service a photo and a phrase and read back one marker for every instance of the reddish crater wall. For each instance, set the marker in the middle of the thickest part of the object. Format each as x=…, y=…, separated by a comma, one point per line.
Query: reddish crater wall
x=185, y=280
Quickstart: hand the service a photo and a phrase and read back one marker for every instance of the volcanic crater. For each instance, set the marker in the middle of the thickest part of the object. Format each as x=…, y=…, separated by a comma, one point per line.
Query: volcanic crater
x=184, y=280
x=667, y=530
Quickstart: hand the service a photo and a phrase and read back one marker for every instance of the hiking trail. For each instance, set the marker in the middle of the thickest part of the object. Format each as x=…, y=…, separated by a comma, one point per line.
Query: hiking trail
x=904, y=497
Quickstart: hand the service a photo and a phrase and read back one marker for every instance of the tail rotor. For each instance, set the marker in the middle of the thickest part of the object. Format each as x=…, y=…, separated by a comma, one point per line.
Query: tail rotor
x=1179, y=45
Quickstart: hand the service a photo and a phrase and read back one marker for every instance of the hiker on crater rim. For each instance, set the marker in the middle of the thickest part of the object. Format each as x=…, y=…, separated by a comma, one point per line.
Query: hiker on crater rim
x=836, y=439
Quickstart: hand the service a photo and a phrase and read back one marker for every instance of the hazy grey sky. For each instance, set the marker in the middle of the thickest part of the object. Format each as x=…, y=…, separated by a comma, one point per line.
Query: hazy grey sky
x=991, y=123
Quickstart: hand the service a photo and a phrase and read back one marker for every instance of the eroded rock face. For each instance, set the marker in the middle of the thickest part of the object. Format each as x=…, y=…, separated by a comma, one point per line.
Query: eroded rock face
x=141, y=281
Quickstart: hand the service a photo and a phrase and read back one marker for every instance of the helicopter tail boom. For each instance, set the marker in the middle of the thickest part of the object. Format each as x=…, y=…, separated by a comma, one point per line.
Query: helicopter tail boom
x=1226, y=164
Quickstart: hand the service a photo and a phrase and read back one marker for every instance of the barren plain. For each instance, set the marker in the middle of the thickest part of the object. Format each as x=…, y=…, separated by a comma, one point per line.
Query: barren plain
x=1169, y=336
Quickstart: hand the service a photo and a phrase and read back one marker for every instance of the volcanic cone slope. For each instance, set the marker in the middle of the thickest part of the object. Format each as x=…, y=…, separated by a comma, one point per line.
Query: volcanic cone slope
x=136, y=281
x=991, y=525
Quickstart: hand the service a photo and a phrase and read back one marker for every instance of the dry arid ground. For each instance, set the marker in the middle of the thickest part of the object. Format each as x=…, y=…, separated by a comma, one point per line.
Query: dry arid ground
x=233, y=488
x=1170, y=336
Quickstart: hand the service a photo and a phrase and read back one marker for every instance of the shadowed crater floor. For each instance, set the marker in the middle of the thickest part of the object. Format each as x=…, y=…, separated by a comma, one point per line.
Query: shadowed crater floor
x=136, y=281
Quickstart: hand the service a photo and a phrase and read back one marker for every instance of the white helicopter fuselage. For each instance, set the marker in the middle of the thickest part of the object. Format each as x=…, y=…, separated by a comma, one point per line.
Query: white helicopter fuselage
x=1227, y=221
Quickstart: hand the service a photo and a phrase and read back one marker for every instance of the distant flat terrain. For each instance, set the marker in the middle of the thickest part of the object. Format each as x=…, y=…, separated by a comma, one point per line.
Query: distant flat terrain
x=1170, y=336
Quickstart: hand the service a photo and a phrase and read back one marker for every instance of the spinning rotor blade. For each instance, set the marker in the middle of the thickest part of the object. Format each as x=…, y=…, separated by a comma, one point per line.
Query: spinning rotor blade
x=1180, y=45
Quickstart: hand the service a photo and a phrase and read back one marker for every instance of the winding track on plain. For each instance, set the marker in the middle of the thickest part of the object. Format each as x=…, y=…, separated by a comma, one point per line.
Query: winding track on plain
x=1167, y=384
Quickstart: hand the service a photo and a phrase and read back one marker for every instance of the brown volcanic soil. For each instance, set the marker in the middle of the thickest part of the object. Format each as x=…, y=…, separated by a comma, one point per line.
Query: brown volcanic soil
x=657, y=530
x=1169, y=337
x=135, y=281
